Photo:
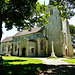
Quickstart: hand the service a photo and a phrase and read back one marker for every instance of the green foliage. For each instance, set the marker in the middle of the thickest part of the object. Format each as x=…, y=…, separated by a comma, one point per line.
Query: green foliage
x=74, y=35
x=65, y=7
x=72, y=29
x=14, y=12
x=23, y=14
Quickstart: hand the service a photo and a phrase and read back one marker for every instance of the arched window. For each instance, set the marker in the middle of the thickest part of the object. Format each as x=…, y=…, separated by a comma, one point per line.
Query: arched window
x=41, y=44
x=51, y=12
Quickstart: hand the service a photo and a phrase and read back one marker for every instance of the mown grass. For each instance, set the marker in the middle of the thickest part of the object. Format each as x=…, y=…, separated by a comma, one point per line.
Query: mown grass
x=33, y=68
x=69, y=60
x=20, y=60
x=19, y=66
x=52, y=58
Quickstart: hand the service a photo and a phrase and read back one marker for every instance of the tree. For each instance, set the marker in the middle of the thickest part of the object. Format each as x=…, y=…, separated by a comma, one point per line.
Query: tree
x=72, y=29
x=66, y=7
x=23, y=14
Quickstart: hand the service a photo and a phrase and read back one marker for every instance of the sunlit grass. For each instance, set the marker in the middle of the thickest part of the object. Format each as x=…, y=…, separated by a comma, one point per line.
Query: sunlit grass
x=52, y=58
x=20, y=60
x=20, y=65
x=69, y=60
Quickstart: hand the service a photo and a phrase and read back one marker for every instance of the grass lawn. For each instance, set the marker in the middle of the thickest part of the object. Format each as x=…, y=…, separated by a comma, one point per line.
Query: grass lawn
x=52, y=58
x=19, y=66
x=20, y=60
x=28, y=66
x=69, y=60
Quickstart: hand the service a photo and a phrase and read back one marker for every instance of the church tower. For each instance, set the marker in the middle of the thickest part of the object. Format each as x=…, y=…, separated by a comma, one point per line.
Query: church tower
x=58, y=31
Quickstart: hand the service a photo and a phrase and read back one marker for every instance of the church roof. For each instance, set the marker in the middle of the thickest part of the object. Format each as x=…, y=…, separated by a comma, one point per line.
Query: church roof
x=7, y=39
x=24, y=32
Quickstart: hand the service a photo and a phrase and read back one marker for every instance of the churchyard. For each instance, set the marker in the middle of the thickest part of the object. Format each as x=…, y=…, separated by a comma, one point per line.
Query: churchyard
x=30, y=66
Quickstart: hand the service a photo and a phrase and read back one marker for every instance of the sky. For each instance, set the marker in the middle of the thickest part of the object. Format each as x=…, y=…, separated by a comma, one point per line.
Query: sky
x=14, y=30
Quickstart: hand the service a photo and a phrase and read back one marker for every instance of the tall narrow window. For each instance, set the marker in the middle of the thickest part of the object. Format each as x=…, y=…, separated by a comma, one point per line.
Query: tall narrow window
x=2, y=48
x=8, y=48
x=15, y=47
x=51, y=12
x=41, y=44
x=32, y=50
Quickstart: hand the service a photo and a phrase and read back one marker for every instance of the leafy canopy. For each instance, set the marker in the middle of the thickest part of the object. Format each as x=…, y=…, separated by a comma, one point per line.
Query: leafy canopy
x=14, y=12
x=23, y=14
x=66, y=7
x=72, y=29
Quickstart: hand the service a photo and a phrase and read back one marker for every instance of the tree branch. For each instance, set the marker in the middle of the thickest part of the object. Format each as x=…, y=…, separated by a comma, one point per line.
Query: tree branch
x=3, y=16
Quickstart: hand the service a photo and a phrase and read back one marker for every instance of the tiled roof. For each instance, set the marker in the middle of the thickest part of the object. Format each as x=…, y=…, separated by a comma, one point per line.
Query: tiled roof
x=24, y=32
x=27, y=32
x=7, y=39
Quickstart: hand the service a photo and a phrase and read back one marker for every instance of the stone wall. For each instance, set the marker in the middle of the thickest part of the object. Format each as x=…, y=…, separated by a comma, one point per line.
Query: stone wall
x=54, y=29
x=23, y=44
x=5, y=51
x=70, y=47
x=57, y=31
x=44, y=50
x=31, y=48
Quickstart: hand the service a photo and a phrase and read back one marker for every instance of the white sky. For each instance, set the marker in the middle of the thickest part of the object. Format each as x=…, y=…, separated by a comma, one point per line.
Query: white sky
x=14, y=30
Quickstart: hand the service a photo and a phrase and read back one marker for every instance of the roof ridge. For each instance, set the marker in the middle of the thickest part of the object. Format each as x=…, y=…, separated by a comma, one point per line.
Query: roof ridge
x=6, y=39
x=33, y=30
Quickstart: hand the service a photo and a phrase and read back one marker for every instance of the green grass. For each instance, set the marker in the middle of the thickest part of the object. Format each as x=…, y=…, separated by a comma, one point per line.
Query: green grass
x=20, y=60
x=52, y=58
x=19, y=66
x=69, y=60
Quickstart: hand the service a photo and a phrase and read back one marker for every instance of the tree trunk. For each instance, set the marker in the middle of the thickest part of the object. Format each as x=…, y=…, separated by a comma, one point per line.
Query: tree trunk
x=0, y=26
x=0, y=30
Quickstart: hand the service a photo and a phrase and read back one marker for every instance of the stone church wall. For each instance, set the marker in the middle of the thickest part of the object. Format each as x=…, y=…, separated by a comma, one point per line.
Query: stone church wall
x=58, y=31
x=54, y=31
x=70, y=47
x=23, y=44
x=42, y=47
x=31, y=50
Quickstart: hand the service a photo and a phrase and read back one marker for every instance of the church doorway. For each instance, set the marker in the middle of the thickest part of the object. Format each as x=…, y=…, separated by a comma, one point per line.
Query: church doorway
x=24, y=52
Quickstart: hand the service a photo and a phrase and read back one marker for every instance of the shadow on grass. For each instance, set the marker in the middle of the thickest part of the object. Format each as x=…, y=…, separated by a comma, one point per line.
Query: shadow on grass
x=37, y=69
x=17, y=60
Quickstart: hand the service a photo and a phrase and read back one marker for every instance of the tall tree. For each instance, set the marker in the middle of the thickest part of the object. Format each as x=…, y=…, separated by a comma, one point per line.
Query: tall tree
x=21, y=14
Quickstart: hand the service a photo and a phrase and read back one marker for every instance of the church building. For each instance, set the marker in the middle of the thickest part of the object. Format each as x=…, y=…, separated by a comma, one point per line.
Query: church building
x=38, y=41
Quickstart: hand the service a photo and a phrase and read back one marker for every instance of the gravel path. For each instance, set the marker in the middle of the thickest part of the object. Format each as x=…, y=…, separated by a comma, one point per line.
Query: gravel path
x=55, y=67
x=53, y=61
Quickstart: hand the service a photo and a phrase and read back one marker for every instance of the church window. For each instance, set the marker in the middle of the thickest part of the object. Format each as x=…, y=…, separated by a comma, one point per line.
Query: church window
x=41, y=44
x=51, y=12
x=8, y=48
x=2, y=47
x=15, y=47
x=32, y=50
